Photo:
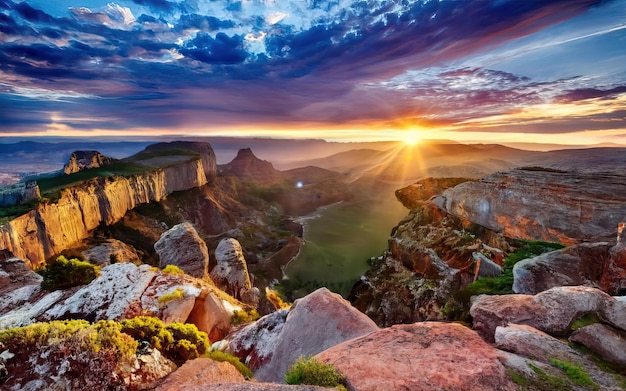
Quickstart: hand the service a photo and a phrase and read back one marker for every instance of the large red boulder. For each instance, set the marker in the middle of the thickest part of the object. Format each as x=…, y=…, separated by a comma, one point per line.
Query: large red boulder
x=419, y=356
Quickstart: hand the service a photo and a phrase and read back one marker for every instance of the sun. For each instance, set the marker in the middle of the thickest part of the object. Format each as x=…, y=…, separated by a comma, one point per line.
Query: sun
x=411, y=137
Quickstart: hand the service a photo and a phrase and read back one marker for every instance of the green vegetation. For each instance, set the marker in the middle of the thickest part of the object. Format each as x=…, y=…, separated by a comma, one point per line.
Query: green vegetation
x=64, y=274
x=50, y=187
x=156, y=153
x=549, y=382
x=585, y=320
x=458, y=307
x=176, y=294
x=177, y=341
x=243, y=317
x=8, y=213
x=173, y=269
x=221, y=356
x=103, y=335
x=574, y=373
x=313, y=372
x=277, y=299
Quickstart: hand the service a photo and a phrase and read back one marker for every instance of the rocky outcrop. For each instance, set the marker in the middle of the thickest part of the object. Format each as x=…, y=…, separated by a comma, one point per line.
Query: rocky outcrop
x=250, y=386
x=54, y=226
x=542, y=204
x=414, y=195
x=529, y=342
x=231, y=272
x=84, y=160
x=209, y=161
x=431, y=256
x=607, y=342
x=420, y=356
x=182, y=246
x=247, y=166
x=122, y=291
x=552, y=311
x=19, y=193
x=198, y=373
x=111, y=251
x=314, y=323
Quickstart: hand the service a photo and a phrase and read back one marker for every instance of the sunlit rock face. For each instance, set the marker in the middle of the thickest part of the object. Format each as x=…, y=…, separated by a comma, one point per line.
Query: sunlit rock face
x=181, y=246
x=83, y=160
x=209, y=162
x=231, y=272
x=542, y=204
x=54, y=226
x=247, y=166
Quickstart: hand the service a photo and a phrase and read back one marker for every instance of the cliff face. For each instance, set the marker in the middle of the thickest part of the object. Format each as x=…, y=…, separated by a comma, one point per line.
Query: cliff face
x=550, y=205
x=82, y=160
x=51, y=227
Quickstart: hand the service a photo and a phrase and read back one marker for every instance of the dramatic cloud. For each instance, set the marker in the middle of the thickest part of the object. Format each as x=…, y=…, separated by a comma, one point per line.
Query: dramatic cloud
x=166, y=65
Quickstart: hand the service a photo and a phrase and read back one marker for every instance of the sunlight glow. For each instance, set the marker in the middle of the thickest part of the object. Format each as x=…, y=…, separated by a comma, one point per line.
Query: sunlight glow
x=412, y=137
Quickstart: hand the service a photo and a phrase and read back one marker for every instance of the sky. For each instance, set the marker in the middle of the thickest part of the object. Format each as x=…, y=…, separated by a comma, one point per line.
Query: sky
x=551, y=71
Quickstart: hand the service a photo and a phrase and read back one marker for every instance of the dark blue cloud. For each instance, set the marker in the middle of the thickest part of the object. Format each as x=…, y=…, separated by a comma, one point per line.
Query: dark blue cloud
x=219, y=50
x=590, y=93
x=202, y=23
x=166, y=7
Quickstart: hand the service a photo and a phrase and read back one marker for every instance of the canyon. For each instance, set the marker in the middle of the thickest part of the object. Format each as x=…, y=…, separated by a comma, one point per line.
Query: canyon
x=230, y=229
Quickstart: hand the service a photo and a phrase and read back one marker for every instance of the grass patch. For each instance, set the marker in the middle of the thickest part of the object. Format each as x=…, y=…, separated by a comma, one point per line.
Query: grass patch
x=550, y=382
x=585, y=320
x=313, y=372
x=221, y=356
x=575, y=373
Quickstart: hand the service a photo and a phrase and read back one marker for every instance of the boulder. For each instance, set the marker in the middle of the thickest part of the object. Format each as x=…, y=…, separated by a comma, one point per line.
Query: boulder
x=115, y=293
x=254, y=343
x=111, y=251
x=315, y=322
x=182, y=246
x=211, y=315
x=17, y=283
x=420, y=356
x=552, y=311
x=529, y=342
x=148, y=369
x=542, y=204
x=615, y=313
x=605, y=341
x=197, y=373
x=231, y=272
x=558, y=268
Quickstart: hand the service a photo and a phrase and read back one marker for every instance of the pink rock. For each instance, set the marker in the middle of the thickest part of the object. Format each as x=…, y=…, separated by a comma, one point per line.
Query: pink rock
x=198, y=373
x=419, y=356
x=183, y=247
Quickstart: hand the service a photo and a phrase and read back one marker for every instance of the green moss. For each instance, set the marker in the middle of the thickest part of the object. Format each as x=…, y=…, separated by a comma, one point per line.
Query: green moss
x=243, y=317
x=173, y=269
x=313, y=372
x=221, y=356
x=575, y=373
x=585, y=320
x=177, y=294
x=550, y=382
x=66, y=273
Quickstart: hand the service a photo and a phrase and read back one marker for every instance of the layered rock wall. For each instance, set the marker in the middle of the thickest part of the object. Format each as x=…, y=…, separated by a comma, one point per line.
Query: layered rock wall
x=52, y=227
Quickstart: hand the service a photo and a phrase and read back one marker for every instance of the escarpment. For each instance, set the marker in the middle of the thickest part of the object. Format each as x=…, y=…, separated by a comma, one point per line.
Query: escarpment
x=53, y=226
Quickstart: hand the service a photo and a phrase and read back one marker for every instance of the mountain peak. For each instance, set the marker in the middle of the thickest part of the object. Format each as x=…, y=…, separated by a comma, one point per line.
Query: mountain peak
x=247, y=165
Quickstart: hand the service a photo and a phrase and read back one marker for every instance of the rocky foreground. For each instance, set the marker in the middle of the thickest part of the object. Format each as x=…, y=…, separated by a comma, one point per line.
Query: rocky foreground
x=414, y=321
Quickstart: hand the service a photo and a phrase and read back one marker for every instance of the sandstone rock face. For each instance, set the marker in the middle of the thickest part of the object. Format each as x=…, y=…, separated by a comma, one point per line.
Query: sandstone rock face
x=198, y=373
x=231, y=272
x=420, y=356
x=83, y=160
x=211, y=315
x=414, y=195
x=209, y=161
x=53, y=227
x=530, y=342
x=111, y=251
x=551, y=311
x=550, y=205
x=183, y=247
x=605, y=341
x=314, y=323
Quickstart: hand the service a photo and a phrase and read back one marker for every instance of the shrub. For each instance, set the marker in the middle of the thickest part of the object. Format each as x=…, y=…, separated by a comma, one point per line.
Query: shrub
x=243, y=317
x=221, y=356
x=67, y=273
x=313, y=372
x=176, y=294
x=177, y=341
x=173, y=269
